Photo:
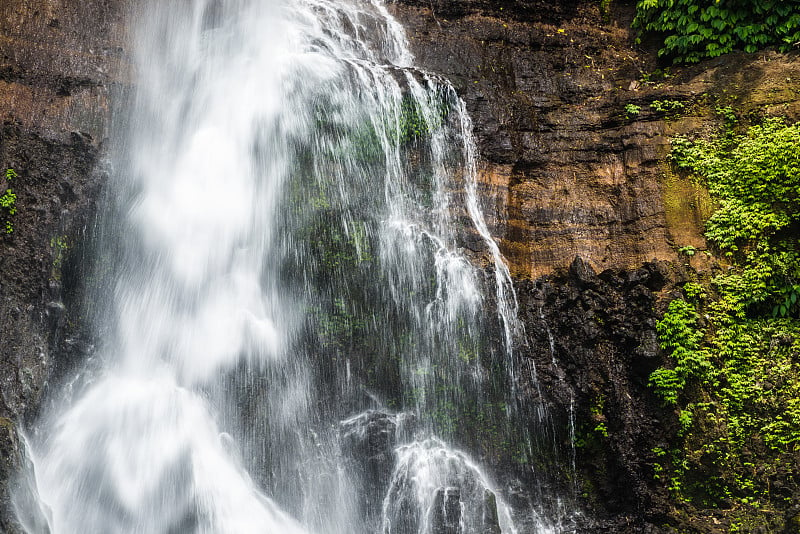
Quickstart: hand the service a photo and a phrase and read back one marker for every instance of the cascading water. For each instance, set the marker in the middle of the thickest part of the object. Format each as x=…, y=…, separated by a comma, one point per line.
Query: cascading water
x=297, y=337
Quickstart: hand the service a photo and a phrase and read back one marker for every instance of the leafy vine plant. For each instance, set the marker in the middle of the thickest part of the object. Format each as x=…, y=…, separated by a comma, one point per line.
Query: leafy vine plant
x=733, y=377
x=691, y=30
x=8, y=201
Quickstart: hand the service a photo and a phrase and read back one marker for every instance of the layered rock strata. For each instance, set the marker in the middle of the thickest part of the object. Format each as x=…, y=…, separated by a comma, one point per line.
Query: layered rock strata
x=573, y=140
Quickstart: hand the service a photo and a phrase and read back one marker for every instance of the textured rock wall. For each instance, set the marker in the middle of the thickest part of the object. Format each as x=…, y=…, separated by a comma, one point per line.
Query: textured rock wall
x=569, y=172
x=592, y=337
x=61, y=63
x=565, y=171
x=546, y=85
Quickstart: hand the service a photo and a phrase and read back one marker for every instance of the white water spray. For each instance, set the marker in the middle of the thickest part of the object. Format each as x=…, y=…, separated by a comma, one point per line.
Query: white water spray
x=288, y=257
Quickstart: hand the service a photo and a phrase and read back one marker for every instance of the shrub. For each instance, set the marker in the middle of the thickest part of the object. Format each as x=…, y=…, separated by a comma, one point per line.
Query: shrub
x=692, y=30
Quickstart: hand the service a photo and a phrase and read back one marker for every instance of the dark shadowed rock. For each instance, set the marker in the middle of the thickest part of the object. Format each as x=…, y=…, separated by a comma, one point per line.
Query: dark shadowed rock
x=604, y=347
x=62, y=65
x=491, y=522
x=446, y=513
x=368, y=441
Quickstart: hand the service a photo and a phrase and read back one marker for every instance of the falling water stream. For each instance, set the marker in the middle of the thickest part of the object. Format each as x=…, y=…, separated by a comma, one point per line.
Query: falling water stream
x=308, y=328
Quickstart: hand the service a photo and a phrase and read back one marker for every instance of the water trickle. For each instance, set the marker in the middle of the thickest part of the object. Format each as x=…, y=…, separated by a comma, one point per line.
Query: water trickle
x=437, y=489
x=286, y=248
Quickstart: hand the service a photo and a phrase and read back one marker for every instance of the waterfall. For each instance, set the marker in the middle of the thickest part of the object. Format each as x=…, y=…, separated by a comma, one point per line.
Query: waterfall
x=305, y=326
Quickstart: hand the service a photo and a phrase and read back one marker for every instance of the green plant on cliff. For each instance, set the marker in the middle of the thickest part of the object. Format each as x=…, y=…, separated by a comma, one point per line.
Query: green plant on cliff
x=667, y=107
x=8, y=202
x=632, y=111
x=691, y=30
x=679, y=337
x=735, y=376
x=755, y=179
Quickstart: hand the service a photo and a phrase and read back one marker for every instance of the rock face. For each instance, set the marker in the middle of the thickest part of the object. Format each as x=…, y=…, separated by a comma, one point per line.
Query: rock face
x=446, y=511
x=368, y=441
x=573, y=149
x=592, y=337
x=546, y=88
x=570, y=122
x=61, y=64
x=572, y=146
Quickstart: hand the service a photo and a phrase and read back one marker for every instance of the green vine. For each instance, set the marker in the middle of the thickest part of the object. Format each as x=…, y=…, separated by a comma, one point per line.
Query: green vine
x=8, y=202
x=691, y=30
x=734, y=344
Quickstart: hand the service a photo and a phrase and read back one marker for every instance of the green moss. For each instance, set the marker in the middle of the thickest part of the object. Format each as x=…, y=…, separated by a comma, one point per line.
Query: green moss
x=687, y=204
x=59, y=246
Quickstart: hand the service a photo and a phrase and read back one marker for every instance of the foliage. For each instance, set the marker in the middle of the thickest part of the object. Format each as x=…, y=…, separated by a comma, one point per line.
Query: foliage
x=605, y=9
x=8, y=202
x=632, y=110
x=735, y=375
x=756, y=180
x=692, y=30
x=679, y=337
x=669, y=107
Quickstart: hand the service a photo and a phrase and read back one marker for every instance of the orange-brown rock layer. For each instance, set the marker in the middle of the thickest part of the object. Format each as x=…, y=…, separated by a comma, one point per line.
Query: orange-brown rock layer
x=573, y=152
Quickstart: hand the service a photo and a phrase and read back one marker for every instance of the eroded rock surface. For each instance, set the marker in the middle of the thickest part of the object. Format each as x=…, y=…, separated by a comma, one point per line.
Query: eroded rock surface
x=573, y=149
x=592, y=337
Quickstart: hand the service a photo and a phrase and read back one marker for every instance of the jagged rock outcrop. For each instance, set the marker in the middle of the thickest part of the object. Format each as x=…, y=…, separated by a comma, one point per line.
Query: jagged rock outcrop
x=592, y=337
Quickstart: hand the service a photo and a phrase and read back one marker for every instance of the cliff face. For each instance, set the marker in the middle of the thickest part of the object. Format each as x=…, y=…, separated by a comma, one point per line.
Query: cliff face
x=573, y=122
x=572, y=150
x=60, y=65
x=546, y=88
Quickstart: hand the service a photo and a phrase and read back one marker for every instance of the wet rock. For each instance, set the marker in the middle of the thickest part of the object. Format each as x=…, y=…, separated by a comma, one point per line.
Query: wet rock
x=491, y=521
x=604, y=347
x=9, y=460
x=368, y=441
x=371, y=436
x=61, y=66
x=446, y=513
